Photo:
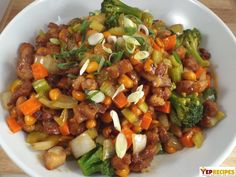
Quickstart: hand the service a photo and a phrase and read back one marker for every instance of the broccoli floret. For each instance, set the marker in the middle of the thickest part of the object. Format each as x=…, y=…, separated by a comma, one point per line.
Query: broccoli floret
x=92, y=162
x=191, y=40
x=113, y=9
x=188, y=110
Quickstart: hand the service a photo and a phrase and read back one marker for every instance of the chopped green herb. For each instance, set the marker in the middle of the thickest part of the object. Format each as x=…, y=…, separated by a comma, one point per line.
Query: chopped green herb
x=83, y=28
x=67, y=65
x=116, y=57
x=72, y=76
x=67, y=54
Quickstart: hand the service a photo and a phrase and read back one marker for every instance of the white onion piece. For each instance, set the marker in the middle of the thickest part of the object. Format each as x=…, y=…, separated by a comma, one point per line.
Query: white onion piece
x=120, y=89
x=98, y=97
x=121, y=145
x=144, y=28
x=139, y=142
x=81, y=145
x=84, y=67
x=129, y=23
x=140, y=88
x=131, y=40
x=112, y=39
x=108, y=149
x=141, y=55
x=116, y=120
x=101, y=63
x=135, y=96
x=95, y=38
x=5, y=99
x=54, y=41
x=107, y=50
x=130, y=47
x=100, y=139
x=120, y=41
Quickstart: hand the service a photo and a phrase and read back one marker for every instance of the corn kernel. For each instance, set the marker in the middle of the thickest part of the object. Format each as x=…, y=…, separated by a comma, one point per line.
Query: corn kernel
x=91, y=123
x=123, y=173
x=124, y=79
x=189, y=75
x=92, y=67
x=29, y=120
x=78, y=95
x=54, y=94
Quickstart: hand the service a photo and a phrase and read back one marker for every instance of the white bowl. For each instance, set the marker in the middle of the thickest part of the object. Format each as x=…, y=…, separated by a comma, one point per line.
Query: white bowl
x=217, y=38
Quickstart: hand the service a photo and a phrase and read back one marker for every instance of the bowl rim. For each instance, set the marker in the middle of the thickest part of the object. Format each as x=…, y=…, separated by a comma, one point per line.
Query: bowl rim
x=30, y=171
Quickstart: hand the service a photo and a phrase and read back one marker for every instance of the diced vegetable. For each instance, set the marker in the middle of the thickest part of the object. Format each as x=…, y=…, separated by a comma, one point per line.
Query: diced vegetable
x=95, y=25
x=13, y=125
x=164, y=121
x=139, y=142
x=198, y=139
x=187, y=138
x=92, y=162
x=120, y=100
x=128, y=134
x=107, y=88
x=146, y=120
x=143, y=107
x=199, y=72
x=165, y=108
x=117, y=31
x=63, y=102
x=46, y=144
x=157, y=56
x=108, y=149
x=64, y=129
x=54, y=157
x=121, y=145
x=81, y=145
x=30, y=106
x=121, y=88
x=48, y=62
x=177, y=28
x=129, y=115
x=100, y=139
x=169, y=42
x=41, y=86
x=15, y=84
x=36, y=136
x=92, y=132
x=39, y=71
x=5, y=99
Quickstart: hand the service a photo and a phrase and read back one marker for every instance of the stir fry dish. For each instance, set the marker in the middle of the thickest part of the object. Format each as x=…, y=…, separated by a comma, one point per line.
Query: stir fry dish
x=112, y=90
